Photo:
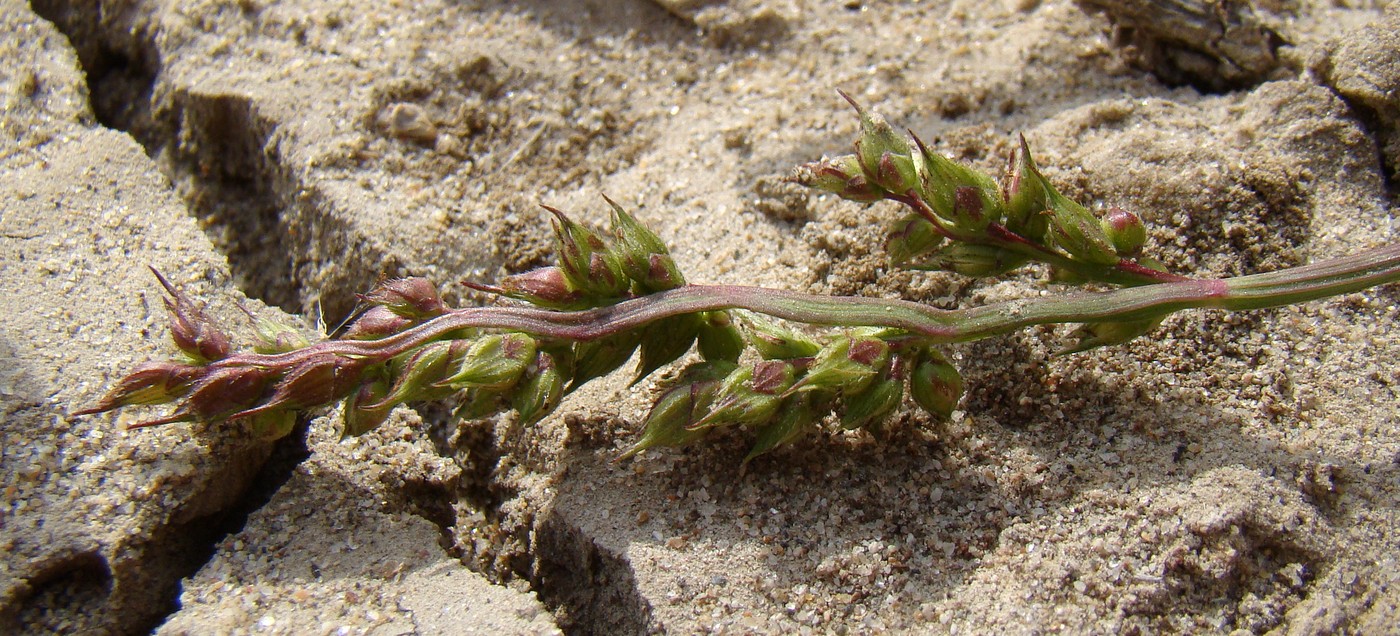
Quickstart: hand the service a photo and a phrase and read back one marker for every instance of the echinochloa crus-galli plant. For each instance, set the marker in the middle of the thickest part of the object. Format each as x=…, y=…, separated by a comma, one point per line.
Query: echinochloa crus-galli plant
x=618, y=295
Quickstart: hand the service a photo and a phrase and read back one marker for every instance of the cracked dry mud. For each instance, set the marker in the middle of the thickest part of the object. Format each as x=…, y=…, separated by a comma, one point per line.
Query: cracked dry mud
x=1232, y=472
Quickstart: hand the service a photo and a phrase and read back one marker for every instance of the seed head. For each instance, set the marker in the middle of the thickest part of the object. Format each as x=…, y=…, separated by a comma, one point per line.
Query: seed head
x=750, y=395
x=665, y=340
x=672, y=416
x=845, y=365
x=377, y=322
x=193, y=332
x=273, y=336
x=541, y=389
x=798, y=417
x=719, y=337
x=495, y=362
x=910, y=238
x=775, y=341
x=586, y=259
x=222, y=392
x=644, y=257
x=367, y=407
x=972, y=260
x=882, y=152
x=149, y=383
x=1102, y=334
x=936, y=385
x=316, y=380
x=413, y=298
x=967, y=199
x=272, y=425
x=1075, y=230
x=597, y=358
x=546, y=287
x=417, y=374
x=841, y=176
x=870, y=406
x=1125, y=231
x=1026, y=196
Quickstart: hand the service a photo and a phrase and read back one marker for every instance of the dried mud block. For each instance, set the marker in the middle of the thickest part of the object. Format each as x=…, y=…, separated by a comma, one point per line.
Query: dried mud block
x=1230, y=547
x=734, y=22
x=41, y=85
x=1364, y=68
x=99, y=523
x=1214, y=45
x=284, y=162
x=411, y=122
x=781, y=199
x=346, y=545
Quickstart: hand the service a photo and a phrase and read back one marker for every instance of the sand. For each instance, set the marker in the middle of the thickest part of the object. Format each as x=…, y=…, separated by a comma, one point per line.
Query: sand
x=1229, y=473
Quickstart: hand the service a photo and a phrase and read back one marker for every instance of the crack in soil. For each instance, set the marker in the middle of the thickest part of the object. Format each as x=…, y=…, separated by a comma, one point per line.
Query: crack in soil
x=591, y=590
x=228, y=184
x=218, y=151
x=121, y=64
x=215, y=148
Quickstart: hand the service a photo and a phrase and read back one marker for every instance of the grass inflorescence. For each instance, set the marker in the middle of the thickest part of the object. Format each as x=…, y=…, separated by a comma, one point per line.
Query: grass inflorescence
x=618, y=295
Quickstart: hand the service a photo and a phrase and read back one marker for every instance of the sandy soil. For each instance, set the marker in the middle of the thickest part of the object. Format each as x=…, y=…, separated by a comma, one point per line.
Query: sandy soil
x=1229, y=473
